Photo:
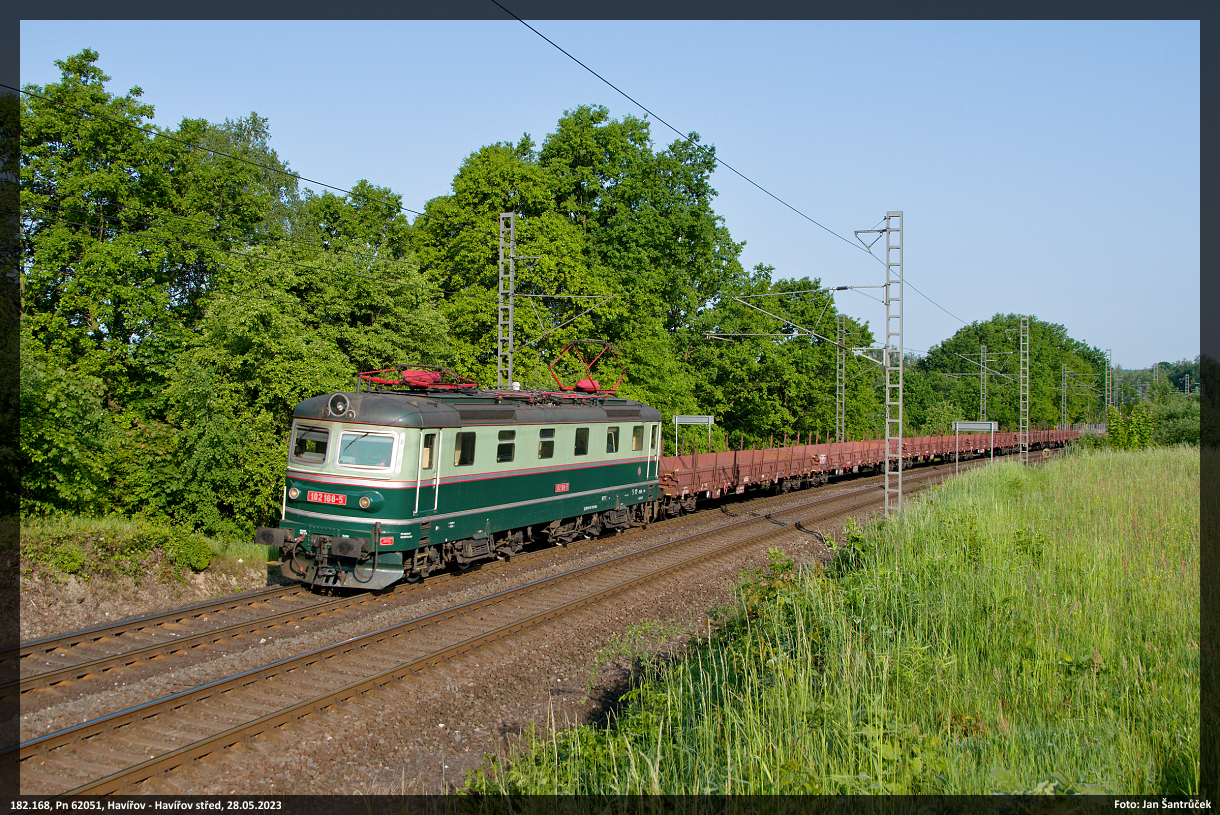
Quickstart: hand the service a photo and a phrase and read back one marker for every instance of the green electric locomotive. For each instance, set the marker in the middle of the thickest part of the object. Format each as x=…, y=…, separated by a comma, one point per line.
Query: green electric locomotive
x=419, y=469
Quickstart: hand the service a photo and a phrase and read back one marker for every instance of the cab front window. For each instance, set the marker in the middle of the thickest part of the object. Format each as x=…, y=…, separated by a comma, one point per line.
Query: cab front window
x=371, y=450
x=309, y=444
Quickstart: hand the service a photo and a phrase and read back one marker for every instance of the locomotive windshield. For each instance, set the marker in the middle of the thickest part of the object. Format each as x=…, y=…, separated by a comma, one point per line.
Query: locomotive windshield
x=309, y=444
x=366, y=449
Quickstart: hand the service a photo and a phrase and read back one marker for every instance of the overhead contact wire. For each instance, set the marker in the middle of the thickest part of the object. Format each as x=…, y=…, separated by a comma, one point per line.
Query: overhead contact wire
x=158, y=133
x=263, y=257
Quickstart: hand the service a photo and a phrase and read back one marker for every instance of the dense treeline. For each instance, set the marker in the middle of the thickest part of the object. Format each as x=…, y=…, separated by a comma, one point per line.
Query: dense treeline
x=945, y=384
x=181, y=293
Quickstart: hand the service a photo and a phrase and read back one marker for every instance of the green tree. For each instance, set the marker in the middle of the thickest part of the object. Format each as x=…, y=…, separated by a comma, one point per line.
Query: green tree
x=457, y=242
x=950, y=372
x=1175, y=373
x=940, y=419
x=179, y=298
x=1176, y=419
x=280, y=327
x=369, y=216
x=63, y=435
x=1129, y=428
x=600, y=214
x=121, y=229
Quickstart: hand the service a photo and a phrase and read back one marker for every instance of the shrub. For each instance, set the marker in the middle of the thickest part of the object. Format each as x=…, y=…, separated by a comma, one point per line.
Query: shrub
x=192, y=551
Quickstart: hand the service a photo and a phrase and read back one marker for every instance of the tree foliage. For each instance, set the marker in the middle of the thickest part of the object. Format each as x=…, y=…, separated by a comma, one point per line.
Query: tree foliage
x=1130, y=429
x=181, y=294
x=950, y=373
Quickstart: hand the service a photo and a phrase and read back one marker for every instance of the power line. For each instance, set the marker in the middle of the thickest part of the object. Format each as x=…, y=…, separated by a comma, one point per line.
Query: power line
x=160, y=134
x=192, y=244
x=242, y=238
x=296, y=176
x=316, y=247
x=933, y=302
x=425, y=289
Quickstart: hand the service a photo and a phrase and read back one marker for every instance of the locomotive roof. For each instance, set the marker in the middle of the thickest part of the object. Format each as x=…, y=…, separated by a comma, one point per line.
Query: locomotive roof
x=470, y=408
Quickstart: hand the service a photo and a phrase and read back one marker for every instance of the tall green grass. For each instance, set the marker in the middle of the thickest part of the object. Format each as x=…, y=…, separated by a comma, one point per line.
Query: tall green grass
x=1017, y=630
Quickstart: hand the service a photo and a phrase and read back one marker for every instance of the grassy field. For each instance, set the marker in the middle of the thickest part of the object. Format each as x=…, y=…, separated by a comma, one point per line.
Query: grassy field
x=1017, y=630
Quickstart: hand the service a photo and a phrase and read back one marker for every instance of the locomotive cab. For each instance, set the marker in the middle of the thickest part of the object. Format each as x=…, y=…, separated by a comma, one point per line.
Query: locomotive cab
x=340, y=474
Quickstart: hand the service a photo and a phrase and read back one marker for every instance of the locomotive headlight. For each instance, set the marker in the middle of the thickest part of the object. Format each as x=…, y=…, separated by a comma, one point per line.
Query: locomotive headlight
x=338, y=404
x=371, y=501
x=294, y=493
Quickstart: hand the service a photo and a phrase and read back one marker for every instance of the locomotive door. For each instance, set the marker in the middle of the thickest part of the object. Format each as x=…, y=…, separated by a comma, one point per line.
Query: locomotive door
x=428, y=472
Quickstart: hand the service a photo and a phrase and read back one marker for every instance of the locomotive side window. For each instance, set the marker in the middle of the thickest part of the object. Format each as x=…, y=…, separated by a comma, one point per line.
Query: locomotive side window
x=309, y=445
x=366, y=450
x=582, y=442
x=425, y=460
x=653, y=446
x=504, y=451
x=546, y=443
x=637, y=437
x=463, y=450
x=611, y=439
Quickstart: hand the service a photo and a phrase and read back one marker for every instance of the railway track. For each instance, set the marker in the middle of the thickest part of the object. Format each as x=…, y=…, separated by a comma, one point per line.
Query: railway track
x=52, y=667
x=117, y=751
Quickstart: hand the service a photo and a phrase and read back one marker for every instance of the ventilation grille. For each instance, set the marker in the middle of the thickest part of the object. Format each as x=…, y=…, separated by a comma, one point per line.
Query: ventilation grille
x=489, y=415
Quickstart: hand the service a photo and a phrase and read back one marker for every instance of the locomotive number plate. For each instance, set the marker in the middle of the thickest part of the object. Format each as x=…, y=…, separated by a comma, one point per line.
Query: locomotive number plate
x=327, y=498
x=561, y=487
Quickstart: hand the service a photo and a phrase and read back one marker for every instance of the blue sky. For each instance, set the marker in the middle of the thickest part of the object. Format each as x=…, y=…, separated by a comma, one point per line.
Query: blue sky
x=1046, y=168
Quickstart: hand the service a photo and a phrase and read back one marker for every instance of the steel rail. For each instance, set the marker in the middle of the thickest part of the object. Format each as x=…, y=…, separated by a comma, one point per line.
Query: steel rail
x=241, y=733
x=126, y=659
x=50, y=644
x=113, y=722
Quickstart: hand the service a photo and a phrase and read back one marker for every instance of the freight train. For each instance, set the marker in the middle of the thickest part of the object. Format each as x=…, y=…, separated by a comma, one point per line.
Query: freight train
x=420, y=469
